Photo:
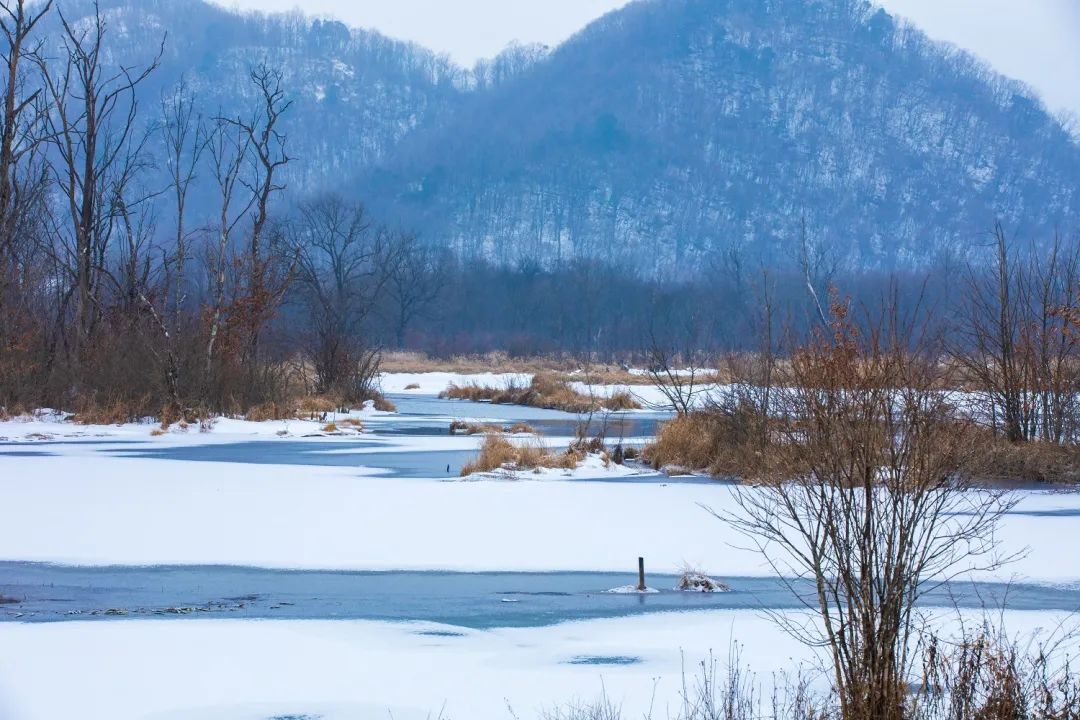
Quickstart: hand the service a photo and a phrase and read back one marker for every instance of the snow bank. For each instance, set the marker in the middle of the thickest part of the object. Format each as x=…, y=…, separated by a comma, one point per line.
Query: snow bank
x=236, y=670
x=593, y=466
x=52, y=425
x=247, y=670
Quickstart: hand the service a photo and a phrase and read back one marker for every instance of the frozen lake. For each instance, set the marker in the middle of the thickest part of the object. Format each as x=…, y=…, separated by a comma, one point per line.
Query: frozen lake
x=48, y=593
x=266, y=570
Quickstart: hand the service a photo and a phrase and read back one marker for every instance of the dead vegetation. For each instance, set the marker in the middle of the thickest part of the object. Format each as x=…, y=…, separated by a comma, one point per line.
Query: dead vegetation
x=498, y=453
x=568, y=369
x=710, y=441
x=460, y=427
x=1034, y=461
x=982, y=674
x=694, y=580
x=547, y=391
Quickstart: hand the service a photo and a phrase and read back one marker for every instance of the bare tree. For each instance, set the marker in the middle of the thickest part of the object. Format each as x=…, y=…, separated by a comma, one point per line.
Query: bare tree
x=415, y=279
x=24, y=331
x=1014, y=342
x=228, y=146
x=93, y=121
x=862, y=498
x=22, y=123
x=819, y=266
x=266, y=281
x=343, y=263
x=184, y=138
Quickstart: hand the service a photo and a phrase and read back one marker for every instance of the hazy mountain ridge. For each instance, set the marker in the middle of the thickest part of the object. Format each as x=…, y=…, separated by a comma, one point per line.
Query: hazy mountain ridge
x=675, y=129
x=663, y=135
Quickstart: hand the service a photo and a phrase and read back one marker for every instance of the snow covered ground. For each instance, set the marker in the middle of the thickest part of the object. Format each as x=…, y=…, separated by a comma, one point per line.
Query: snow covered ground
x=75, y=495
x=227, y=670
x=83, y=505
x=258, y=670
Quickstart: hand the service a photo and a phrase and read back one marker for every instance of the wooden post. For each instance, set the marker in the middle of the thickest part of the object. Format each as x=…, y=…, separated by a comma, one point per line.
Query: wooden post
x=641, y=574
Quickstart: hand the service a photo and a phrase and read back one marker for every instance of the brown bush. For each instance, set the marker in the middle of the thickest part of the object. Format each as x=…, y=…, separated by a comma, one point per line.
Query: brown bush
x=266, y=411
x=412, y=386
x=112, y=412
x=1035, y=461
x=382, y=404
x=498, y=453
x=317, y=404
x=546, y=390
x=621, y=400
x=699, y=441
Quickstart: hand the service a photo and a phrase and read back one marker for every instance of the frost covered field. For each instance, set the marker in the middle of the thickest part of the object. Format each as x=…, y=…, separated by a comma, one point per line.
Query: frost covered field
x=287, y=496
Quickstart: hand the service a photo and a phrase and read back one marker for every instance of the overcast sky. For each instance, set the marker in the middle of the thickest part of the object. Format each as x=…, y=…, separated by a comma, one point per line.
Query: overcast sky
x=1037, y=41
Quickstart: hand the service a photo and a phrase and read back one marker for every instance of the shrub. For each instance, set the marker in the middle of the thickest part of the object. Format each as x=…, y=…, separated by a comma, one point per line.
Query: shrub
x=621, y=400
x=412, y=386
x=118, y=411
x=382, y=404
x=1035, y=461
x=691, y=441
x=264, y=412
x=317, y=405
x=498, y=453
x=546, y=390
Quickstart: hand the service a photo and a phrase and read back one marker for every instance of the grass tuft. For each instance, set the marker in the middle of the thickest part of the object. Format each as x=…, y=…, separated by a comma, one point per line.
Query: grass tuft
x=498, y=453
x=547, y=391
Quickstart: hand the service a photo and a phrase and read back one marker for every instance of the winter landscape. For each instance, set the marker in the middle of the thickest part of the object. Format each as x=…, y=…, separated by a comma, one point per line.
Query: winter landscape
x=705, y=360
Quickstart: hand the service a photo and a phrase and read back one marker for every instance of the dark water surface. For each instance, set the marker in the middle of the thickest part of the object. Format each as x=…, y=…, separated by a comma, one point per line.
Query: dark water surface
x=50, y=593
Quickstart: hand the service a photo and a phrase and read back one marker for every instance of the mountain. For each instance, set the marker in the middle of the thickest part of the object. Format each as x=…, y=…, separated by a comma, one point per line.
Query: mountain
x=355, y=93
x=674, y=130
x=663, y=136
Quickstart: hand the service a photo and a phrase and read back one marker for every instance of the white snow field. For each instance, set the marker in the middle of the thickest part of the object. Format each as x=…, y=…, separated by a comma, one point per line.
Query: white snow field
x=258, y=670
x=74, y=495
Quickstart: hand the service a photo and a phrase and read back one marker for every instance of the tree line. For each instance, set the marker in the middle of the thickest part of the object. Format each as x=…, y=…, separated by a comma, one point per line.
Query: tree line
x=116, y=297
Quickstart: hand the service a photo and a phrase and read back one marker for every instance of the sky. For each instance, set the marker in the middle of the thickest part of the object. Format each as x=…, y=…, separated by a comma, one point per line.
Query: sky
x=1036, y=41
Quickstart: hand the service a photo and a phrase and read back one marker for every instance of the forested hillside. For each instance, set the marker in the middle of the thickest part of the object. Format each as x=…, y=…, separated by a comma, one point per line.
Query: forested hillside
x=676, y=129
x=664, y=136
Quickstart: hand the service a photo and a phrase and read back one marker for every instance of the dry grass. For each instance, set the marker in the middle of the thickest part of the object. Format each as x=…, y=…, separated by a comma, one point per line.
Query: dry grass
x=567, y=369
x=412, y=386
x=723, y=443
x=692, y=441
x=621, y=400
x=1032, y=462
x=547, y=390
x=330, y=427
x=318, y=404
x=310, y=407
x=264, y=412
x=114, y=412
x=460, y=427
x=384, y=405
x=498, y=453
